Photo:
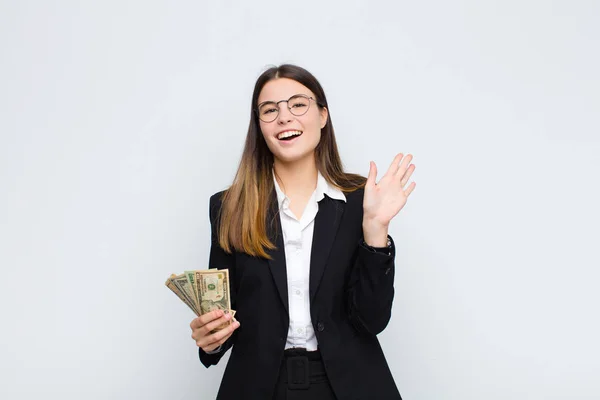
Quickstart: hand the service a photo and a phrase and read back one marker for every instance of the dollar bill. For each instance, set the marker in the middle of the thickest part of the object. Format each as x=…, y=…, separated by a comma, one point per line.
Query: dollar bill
x=213, y=291
x=171, y=285
x=182, y=283
x=203, y=291
x=190, y=275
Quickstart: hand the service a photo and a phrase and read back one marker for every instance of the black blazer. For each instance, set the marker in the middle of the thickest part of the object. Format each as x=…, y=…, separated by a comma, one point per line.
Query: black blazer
x=351, y=294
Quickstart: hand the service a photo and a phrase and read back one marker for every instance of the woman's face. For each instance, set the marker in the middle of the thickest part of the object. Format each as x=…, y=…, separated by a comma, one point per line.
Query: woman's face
x=309, y=124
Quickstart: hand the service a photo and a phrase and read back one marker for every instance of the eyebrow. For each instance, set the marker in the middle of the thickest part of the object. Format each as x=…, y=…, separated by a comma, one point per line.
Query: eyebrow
x=273, y=101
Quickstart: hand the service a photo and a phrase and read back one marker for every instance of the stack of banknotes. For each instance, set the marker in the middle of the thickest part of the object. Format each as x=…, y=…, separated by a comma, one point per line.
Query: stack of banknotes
x=203, y=291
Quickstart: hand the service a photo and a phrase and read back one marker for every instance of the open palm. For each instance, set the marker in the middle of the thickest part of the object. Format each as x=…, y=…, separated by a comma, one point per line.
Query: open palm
x=384, y=199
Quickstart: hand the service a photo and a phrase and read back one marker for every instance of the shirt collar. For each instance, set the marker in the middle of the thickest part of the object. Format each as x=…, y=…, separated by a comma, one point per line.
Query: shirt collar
x=323, y=188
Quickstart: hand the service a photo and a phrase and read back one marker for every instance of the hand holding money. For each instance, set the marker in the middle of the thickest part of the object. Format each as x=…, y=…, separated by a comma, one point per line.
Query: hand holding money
x=204, y=326
x=204, y=291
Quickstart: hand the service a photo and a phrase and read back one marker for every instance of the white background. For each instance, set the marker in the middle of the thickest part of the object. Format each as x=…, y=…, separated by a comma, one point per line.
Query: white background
x=118, y=120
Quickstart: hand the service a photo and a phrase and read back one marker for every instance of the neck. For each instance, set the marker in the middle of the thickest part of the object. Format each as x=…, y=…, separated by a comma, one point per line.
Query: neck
x=297, y=178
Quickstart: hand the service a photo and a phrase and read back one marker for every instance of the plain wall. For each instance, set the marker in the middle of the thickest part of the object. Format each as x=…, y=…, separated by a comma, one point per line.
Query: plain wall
x=118, y=120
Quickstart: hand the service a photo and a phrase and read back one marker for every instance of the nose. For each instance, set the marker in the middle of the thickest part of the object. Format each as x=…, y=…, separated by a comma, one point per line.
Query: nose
x=284, y=116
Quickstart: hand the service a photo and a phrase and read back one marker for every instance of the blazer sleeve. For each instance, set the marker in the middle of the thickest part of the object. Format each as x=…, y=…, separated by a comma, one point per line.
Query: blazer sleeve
x=221, y=260
x=371, y=288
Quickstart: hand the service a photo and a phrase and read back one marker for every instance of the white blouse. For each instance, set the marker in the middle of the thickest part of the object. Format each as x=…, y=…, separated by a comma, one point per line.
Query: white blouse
x=297, y=239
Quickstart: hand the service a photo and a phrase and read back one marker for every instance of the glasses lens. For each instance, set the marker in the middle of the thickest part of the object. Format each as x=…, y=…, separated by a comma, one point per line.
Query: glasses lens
x=299, y=105
x=268, y=112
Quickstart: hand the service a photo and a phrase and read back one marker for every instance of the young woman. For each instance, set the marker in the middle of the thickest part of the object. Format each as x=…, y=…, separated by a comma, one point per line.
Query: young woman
x=310, y=261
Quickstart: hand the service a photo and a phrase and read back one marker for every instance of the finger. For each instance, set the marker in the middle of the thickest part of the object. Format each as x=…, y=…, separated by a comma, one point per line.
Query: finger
x=207, y=329
x=372, y=174
x=220, y=342
x=206, y=318
x=403, y=165
x=213, y=346
x=410, y=188
x=406, y=177
x=217, y=336
x=394, y=165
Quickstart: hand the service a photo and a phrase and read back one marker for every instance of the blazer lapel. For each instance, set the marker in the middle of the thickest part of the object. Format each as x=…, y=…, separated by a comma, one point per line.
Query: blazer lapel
x=277, y=263
x=326, y=227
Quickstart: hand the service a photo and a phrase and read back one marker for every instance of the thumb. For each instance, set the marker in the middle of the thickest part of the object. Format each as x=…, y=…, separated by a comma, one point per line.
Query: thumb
x=372, y=174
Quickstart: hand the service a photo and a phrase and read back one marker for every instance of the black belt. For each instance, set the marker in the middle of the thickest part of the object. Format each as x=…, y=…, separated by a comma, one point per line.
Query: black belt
x=300, y=367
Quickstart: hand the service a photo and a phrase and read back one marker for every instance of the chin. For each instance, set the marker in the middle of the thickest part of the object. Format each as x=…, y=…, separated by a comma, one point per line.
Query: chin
x=293, y=154
x=291, y=158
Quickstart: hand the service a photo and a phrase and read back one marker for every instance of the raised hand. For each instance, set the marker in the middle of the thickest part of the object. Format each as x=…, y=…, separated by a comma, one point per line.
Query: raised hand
x=383, y=200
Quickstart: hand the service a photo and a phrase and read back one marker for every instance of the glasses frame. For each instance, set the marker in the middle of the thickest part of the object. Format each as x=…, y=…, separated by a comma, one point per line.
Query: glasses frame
x=257, y=109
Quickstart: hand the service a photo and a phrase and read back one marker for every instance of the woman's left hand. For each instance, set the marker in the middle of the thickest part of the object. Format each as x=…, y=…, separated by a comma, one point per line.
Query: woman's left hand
x=383, y=200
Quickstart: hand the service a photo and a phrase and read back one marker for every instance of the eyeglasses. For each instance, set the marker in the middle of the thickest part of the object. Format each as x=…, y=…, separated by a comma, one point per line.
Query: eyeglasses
x=298, y=105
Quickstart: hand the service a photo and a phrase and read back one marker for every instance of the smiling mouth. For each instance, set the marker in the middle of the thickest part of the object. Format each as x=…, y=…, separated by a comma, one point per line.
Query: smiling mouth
x=289, y=135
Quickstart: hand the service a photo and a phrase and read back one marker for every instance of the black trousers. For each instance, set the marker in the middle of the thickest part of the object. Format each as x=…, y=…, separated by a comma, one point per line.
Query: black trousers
x=302, y=376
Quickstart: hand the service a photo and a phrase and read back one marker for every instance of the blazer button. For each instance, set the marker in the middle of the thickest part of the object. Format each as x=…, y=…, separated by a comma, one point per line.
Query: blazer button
x=320, y=327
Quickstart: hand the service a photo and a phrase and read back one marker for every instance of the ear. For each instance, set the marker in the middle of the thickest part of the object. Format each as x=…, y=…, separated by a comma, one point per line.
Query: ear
x=324, y=113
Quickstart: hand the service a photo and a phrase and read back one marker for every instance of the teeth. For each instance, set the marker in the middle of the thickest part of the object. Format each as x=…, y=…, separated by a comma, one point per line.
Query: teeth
x=288, y=134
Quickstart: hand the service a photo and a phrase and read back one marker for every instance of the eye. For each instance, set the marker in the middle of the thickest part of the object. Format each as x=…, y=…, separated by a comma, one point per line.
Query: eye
x=298, y=105
x=267, y=109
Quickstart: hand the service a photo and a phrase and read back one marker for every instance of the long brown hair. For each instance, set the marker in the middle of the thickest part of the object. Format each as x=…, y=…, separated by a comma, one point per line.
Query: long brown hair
x=245, y=204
